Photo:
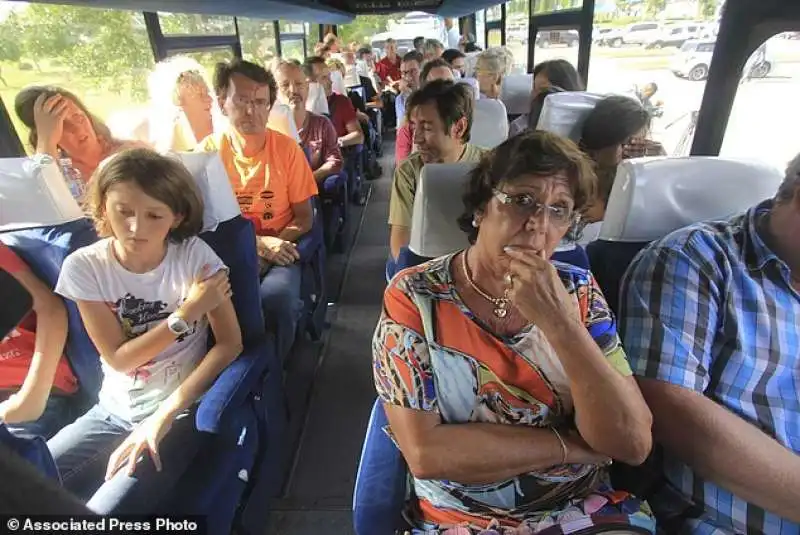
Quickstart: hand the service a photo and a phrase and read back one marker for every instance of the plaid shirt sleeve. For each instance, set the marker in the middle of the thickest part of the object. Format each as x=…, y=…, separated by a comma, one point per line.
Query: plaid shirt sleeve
x=669, y=300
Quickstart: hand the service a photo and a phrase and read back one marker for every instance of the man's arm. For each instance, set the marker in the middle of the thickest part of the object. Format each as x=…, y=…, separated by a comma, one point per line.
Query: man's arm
x=302, y=222
x=724, y=448
x=401, y=206
x=670, y=313
x=331, y=154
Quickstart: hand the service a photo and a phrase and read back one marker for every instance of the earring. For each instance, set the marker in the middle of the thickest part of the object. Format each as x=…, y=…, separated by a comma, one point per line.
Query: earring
x=475, y=223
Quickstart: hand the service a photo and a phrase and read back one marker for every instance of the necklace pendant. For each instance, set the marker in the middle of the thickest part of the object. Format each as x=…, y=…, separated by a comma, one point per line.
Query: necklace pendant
x=500, y=312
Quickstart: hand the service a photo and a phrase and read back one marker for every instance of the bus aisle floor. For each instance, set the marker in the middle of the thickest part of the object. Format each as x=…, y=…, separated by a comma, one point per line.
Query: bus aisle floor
x=331, y=392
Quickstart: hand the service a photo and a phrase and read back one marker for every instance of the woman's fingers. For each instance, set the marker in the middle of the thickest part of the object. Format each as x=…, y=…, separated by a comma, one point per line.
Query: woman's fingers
x=154, y=455
x=134, y=455
x=117, y=458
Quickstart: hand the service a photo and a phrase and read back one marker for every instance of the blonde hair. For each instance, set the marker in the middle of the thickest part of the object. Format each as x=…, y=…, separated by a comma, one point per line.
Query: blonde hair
x=163, y=178
x=164, y=85
x=335, y=63
x=497, y=60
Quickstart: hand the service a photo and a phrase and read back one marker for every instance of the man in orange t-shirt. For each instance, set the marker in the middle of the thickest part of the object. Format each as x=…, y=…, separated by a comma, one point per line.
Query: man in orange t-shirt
x=273, y=183
x=36, y=382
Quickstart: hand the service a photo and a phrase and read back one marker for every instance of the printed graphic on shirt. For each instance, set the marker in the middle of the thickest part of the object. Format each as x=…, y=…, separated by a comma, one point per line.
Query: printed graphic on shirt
x=12, y=352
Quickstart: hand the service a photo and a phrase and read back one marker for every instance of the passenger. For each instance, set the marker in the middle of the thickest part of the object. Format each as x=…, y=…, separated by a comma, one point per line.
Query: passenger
x=388, y=68
x=502, y=375
x=440, y=115
x=147, y=294
x=36, y=381
x=437, y=69
x=491, y=67
x=457, y=61
x=317, y=134
x=273, y=184
x=556, y=73
x=432, y=49
x=616, y=129
x=453, y=33
x=333, y=43
x=62, y=127
x=710, y=319
x=182, y=110
x=343, y=115
x=419, y=45
x=410, y=69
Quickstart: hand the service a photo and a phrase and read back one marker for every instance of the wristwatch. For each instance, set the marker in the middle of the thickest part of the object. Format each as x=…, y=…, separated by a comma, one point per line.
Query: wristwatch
x=177, y=325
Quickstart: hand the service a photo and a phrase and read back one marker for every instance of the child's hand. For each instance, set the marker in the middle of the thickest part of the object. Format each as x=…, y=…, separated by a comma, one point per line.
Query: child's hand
x=145, y=438
x=206, y=294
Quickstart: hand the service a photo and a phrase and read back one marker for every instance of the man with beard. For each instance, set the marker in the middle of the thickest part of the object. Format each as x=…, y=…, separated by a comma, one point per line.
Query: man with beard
x=317, y=134
x=440, y=115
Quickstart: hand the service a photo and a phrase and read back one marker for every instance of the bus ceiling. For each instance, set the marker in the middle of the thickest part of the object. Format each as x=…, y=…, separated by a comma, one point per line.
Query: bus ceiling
x=319, y=11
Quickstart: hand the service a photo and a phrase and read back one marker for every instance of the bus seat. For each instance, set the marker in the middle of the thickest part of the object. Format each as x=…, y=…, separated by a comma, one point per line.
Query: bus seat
x=515, y=93
x=652, y=197
x=380, y=489
x=42, y=223
x=564, y=113
x=312, y=258
x=243, y=409
x=354, y=167
x=489, y=123
x=281, y=119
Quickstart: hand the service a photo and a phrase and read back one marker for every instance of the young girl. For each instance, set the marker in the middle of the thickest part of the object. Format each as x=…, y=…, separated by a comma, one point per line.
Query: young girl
x=146, y=293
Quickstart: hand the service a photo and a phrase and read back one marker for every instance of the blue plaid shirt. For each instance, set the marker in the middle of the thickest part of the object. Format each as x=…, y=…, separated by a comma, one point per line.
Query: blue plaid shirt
x=712, y=309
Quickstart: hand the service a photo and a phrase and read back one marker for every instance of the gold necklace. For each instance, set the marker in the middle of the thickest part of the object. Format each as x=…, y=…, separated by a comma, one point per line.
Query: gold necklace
x=500, y=303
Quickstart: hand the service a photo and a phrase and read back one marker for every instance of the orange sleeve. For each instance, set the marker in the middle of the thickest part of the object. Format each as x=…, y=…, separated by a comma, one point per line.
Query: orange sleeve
x=302, y=185
x=9, y=260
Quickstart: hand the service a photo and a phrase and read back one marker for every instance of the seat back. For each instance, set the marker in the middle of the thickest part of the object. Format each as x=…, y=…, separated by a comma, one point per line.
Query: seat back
x=652, y=197
x=282, y=120
x=489, y=123
x=563, y=113
x=317, y=102
x=380, y=488
x=516, y=93
x=437, y=206
x=43, y=224
x=232, y=237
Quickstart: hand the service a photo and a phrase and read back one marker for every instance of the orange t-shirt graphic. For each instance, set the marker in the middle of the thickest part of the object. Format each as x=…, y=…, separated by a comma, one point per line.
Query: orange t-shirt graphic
x=267, y=183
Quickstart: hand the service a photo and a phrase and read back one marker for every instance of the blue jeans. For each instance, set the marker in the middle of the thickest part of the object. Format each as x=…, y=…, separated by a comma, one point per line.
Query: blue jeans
x=59, y=411
x=82, y=450
x=282, y=304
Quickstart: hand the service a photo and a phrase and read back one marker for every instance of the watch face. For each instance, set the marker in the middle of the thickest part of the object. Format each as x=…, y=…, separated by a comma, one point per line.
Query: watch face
x=177, y=325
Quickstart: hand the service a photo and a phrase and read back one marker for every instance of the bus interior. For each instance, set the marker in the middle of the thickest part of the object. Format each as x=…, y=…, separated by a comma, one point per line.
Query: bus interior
x=287, y=456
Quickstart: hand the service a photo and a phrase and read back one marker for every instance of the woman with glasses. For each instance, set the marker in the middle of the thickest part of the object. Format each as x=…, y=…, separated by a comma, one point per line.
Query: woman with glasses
x=501, y=373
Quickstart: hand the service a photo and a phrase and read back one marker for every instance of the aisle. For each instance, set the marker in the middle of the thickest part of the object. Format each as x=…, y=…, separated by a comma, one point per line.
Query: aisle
x=319, y=493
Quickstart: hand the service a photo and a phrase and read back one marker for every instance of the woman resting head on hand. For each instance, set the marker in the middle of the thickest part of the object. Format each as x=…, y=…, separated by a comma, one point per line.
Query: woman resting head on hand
x=501, y=372
x=147, y=293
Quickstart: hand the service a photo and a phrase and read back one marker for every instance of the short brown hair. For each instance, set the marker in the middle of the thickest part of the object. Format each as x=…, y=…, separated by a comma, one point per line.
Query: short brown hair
x=163, y=178
x=437, y=63
x=453, y=102
x=529, y=153
x=223, y=72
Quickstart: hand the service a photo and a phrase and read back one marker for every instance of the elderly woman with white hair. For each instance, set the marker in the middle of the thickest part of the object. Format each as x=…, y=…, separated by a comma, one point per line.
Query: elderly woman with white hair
x=182, y=111
x=491, y=67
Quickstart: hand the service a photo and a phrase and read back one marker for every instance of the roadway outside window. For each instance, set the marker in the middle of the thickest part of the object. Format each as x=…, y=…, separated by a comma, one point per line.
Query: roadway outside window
x=557, y=43
x=765, y=113
x=257, y=37
x=101, y=55
x=670, y=43
x=373, y=30
x=195, y=24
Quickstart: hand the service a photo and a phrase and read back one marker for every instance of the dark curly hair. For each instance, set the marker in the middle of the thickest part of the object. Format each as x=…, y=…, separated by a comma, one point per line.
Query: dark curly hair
x=223, y=72
x=530, y=153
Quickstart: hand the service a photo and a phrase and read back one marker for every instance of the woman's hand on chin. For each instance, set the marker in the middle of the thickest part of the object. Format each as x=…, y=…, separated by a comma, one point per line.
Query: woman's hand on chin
x=537, y=291
x=145, y=438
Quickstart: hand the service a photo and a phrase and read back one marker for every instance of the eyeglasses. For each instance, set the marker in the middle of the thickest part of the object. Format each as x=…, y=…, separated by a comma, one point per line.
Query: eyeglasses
x=526, y=206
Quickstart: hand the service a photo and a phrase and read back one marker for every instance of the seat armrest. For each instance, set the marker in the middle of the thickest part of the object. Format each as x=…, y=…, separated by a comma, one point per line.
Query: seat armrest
x=218, y=407
x=334, y=184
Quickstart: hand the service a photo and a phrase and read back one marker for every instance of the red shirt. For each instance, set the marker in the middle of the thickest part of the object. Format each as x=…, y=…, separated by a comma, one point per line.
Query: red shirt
x=404, y=143
x=17, y=349
x=342, y=112
x=386, y=69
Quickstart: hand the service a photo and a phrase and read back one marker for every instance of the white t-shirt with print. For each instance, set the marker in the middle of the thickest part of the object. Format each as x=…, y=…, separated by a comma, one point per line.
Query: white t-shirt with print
x=141, y=301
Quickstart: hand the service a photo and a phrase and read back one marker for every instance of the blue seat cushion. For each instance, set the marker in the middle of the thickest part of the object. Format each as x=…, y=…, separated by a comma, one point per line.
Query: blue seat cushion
x=609, y=261
x=44, y=250
x=577, y=257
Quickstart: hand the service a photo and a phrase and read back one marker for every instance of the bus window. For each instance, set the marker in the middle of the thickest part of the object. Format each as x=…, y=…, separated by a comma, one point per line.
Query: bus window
x=102, y=55
x=494, y=37
x=557, y=43
x=195, y=24
x=660, y=54
x=549, y=6
x=292, y=35
x=765, y=113
x=209, y=58
x=517, y=15
x=258, y=40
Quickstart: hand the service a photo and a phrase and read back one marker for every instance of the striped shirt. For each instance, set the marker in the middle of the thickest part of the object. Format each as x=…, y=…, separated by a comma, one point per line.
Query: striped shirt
x=711, y=308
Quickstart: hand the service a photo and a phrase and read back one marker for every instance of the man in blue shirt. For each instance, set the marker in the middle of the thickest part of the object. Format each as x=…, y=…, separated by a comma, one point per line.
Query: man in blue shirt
x=710, y=320
x=410, y=70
